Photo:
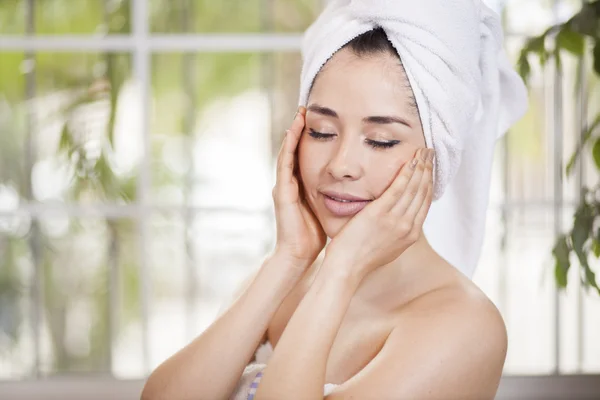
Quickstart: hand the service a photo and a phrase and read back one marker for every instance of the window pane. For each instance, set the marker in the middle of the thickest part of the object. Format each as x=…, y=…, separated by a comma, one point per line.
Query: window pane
x=197, y=261
x=178, y=16
x=533, y=17
x=90, y=296
x=65, y=16
x=17, y=355
x=12, y=17
x=13, y=125
x=213, y=119
x=591, y=331
x=82, y=142
x=81, y=306
x=517, y=267
x=591, y=302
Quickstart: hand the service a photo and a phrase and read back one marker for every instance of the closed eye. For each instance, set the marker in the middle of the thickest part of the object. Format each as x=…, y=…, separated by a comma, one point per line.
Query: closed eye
x=320, y=135
x=373, y=143
x=382, y=145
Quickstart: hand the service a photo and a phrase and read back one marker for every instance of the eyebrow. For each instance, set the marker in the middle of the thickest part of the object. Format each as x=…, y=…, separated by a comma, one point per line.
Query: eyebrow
x=383, y=120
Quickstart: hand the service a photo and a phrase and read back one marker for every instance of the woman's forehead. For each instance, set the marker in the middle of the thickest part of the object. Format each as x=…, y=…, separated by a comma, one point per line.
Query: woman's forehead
x=371, y=84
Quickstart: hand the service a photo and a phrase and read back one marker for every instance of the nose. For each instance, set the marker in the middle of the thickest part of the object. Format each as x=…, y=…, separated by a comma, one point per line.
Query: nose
x=345, y=162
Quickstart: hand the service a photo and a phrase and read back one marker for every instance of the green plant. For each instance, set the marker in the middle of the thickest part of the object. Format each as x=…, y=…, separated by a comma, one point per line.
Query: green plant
x=575, y=36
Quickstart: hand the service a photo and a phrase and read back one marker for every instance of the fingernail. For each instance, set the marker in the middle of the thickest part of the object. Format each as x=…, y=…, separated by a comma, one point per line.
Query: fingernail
x=432, y=155
x=414, y=163
x=424, y=154
x=287, y=132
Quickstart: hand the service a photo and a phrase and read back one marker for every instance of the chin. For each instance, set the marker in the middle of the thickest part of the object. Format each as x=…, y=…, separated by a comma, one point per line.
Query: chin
x=333, y=226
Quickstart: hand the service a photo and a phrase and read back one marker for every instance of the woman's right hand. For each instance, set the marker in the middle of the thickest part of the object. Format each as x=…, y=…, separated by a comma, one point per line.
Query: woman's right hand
x=300, y=236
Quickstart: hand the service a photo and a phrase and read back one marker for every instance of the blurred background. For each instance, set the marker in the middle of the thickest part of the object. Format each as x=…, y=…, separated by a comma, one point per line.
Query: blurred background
x=137, y=149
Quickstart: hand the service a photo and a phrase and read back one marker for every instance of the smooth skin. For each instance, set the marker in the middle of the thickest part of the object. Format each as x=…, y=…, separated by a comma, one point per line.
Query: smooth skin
x=383, y=315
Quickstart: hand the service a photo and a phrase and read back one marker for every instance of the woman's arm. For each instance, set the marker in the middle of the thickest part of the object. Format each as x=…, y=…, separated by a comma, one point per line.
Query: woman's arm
x=210, y=366
x=298, y=365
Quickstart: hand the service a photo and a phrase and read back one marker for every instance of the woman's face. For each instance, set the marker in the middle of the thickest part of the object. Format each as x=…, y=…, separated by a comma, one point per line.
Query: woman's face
x=361, y=127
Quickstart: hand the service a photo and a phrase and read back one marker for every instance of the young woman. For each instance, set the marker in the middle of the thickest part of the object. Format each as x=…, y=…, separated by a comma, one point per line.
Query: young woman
x=382, y=315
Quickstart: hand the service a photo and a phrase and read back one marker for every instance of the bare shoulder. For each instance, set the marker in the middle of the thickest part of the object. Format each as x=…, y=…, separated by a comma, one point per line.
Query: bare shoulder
x=459, y=330
x=463, y=311
x=448, y=342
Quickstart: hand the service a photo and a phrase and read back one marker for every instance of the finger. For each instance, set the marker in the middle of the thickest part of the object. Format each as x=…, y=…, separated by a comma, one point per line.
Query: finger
x=299, y=120
x=390, y=197
x=412, y=188
x=297, y=124
x=310, y=217
x=420, y=197
x=286, y=158
x=301, y=190
x=281, y=158
x=422, y=213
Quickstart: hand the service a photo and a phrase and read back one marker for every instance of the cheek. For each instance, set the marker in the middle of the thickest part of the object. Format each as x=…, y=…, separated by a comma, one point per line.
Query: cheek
x=310, y=160
x=384, y=170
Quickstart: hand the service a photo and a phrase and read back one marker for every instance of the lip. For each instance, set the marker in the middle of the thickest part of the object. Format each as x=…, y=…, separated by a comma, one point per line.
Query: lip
x=352, y=205
x=343, y=196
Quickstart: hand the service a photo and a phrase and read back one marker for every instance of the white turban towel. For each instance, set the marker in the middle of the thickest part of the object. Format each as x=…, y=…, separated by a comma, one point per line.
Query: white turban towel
x=467, y=93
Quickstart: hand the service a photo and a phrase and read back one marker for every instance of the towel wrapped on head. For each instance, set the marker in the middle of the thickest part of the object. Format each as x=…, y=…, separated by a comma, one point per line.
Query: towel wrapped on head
x=466, y=91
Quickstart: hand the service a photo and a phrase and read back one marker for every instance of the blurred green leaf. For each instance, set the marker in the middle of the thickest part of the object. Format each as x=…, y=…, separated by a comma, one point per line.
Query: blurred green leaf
x=596, y=247
x=561, y=254
x=596, y=153
x=128, y=188
x=572, y=162
x=560, y=275
x=587, y=20
x=524, y=67
x=557, y=59
x=597, y=57
x=65, y=143
x=538, y=45
x=582, y=227
x=105, y=176
x=593, y=126
x=570, y=41
x=586, y=137
x=590, y=278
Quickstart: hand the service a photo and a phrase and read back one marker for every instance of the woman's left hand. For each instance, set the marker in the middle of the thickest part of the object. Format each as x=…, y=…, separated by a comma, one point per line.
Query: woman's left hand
x=389, y=225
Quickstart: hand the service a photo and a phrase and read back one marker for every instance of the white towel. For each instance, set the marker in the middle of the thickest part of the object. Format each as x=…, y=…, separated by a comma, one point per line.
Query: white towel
x=263, y=354
x=466, y=90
